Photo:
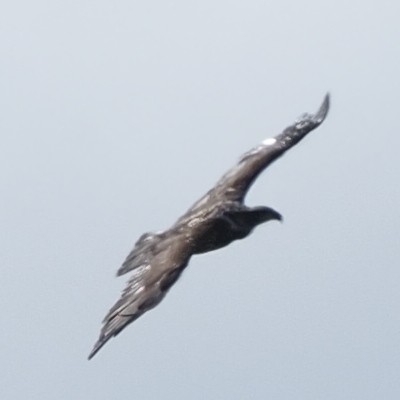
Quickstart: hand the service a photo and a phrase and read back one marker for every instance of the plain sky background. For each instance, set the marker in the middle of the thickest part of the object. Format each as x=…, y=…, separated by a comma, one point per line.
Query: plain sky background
x=115, y=116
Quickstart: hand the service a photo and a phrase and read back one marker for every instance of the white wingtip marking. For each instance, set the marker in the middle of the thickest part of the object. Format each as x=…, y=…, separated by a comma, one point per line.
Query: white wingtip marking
x=269, y=141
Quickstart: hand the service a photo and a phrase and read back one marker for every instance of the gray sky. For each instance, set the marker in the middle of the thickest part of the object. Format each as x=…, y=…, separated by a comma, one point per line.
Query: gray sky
x=116, y=116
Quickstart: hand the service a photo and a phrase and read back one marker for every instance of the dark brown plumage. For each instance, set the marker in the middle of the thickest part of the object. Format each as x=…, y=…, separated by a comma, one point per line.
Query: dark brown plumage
x=217, y=219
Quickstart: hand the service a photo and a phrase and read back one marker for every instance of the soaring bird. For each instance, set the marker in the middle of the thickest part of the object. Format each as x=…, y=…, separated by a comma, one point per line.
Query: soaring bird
x=217, y=219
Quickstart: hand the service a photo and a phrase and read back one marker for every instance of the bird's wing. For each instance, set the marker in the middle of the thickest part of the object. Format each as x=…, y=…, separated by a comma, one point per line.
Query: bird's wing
x=234, y=185
x=146, y=287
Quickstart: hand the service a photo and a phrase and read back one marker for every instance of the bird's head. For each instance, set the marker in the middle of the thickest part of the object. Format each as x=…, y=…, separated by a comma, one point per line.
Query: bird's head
x=249, y=218
x=261, y=214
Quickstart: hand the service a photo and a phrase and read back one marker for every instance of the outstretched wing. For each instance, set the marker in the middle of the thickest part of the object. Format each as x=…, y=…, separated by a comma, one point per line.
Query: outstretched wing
x=236, y=182
x=146, y=287
x=234, y=185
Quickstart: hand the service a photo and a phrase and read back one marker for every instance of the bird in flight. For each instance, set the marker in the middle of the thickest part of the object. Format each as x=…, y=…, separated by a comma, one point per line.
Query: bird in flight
x=217, y=219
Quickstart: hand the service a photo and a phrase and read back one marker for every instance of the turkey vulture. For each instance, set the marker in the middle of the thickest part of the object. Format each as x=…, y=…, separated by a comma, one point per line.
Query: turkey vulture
x=217, y=219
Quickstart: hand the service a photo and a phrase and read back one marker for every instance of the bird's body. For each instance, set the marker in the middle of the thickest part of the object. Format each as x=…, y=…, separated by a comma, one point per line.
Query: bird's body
x=216, y=220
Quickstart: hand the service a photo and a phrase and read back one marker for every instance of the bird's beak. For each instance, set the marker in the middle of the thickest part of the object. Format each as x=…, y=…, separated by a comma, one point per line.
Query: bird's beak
x=278, y=217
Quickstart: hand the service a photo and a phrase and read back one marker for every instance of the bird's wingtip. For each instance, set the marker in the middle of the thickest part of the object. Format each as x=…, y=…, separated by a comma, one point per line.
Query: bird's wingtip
x=323, y=109
x=98, y=345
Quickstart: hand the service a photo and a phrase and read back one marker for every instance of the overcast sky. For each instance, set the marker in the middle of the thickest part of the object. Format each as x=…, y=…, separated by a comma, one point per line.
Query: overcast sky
x=115, y=116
